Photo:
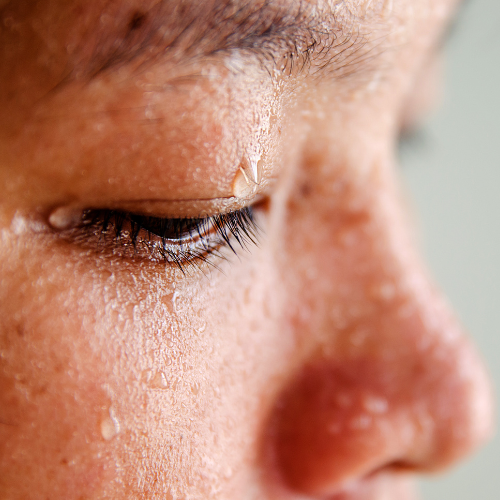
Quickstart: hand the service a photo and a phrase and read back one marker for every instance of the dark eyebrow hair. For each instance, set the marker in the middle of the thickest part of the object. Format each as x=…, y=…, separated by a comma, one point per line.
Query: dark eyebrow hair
x=284, y=34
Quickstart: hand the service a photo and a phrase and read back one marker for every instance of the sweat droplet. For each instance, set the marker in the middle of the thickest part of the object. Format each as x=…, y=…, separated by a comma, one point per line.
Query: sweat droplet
x=158, y=381
x=247, y=178
x=110, y=426
x=242, y=188
x=65, y=217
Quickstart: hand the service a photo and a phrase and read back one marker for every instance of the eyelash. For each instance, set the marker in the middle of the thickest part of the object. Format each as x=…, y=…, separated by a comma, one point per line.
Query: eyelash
x=181, y=242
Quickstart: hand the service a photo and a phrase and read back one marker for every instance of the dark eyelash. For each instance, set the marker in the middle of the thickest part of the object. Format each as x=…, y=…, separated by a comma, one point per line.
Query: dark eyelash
x=181, y=241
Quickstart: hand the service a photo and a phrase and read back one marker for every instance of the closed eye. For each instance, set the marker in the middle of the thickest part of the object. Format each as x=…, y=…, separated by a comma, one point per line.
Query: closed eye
x=177, y=241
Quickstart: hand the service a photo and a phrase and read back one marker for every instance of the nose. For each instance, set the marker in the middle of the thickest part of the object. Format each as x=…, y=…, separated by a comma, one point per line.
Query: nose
x=386, y=381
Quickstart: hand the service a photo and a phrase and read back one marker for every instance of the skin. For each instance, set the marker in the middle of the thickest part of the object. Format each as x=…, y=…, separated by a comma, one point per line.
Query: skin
x=323, y=363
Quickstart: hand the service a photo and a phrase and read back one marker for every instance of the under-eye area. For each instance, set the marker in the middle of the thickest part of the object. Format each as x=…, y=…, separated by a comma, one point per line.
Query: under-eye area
x=180, y=242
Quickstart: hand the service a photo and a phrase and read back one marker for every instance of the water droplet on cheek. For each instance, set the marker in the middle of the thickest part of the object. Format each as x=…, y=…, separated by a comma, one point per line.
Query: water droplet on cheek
x=159, y=381
x=155, y=380
x=110, y=426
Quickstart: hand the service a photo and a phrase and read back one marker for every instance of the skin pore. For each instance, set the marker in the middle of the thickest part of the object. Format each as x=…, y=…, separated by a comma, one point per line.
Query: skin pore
x=320, y=362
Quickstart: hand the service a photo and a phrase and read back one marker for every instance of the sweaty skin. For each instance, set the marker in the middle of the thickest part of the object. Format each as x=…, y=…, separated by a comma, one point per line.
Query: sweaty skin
x=320, y=363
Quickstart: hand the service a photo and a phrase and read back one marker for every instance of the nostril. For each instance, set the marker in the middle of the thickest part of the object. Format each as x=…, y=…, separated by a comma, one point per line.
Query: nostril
x=343, y=420
x=334, y=425
x=395, y=466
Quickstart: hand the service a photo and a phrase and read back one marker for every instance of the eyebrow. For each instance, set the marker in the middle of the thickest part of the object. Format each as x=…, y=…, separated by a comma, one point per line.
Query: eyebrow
x=281, y=33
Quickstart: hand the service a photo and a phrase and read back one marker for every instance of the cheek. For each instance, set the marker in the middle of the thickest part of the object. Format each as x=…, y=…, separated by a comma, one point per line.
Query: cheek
x=126, y=381
x=51, y=396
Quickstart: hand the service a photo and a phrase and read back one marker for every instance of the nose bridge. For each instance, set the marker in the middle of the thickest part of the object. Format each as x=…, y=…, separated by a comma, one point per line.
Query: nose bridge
x=389, y=380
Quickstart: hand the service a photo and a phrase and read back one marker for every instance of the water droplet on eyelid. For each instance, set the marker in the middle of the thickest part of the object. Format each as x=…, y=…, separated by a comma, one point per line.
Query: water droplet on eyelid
x=65, y=217
x=247, y=178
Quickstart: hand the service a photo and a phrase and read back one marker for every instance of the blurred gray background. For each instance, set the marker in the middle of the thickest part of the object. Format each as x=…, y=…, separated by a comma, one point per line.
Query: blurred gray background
x=452, y=171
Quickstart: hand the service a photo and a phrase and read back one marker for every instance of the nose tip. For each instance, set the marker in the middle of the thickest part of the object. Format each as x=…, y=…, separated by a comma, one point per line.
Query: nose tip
x=419, y=401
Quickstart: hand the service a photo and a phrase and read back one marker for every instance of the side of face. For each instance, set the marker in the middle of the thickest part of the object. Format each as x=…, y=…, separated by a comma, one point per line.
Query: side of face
x=321, y=362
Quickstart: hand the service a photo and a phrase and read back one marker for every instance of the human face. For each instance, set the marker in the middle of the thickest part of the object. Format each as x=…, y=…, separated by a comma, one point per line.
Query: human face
x=321, y=362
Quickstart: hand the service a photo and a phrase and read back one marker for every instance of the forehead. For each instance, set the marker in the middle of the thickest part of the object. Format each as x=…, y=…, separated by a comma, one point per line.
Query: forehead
x=191, y=22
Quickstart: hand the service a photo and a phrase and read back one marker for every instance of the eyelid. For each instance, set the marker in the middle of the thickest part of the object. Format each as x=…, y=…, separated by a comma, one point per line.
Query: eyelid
x=189, y=208
x=179, y=242
x=64, y=216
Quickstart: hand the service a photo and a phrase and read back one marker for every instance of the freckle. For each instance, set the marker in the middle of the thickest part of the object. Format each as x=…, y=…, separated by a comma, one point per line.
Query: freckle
x=19, y=330
x=65, y=217
x=305, y=190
